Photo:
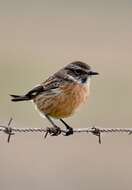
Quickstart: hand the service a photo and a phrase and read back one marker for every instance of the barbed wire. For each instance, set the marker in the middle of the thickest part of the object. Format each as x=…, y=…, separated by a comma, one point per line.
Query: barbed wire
x=97, y=131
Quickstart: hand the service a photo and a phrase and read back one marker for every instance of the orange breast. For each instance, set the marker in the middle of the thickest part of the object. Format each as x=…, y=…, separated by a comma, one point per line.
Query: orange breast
x=64, y=104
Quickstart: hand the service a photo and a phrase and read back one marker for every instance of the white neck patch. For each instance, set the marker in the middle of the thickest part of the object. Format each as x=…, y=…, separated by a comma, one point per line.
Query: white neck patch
x=79, y=81
x=72, y=78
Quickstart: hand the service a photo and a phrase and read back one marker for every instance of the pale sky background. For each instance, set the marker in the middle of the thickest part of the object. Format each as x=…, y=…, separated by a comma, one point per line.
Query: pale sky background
x=36, y=39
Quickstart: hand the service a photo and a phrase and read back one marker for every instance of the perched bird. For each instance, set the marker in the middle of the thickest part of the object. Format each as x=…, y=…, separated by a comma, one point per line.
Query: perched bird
x=61, y=94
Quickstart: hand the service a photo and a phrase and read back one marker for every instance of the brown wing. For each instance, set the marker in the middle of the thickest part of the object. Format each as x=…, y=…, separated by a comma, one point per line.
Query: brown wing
x=57, y=80
x=46, y=87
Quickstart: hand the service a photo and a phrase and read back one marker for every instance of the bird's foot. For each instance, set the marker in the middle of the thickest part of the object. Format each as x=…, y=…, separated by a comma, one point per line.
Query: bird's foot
x=69, y=131
x=53, y=131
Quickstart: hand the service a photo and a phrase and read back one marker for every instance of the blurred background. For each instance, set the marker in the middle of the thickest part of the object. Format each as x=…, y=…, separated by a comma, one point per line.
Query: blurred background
x=36, y=39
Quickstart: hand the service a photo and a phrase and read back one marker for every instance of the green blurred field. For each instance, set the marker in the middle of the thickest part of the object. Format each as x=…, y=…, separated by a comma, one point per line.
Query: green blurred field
x=38, y=38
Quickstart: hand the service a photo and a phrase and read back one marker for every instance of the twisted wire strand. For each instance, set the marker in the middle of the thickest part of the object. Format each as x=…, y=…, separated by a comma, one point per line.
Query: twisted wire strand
x=97, y=131
x=77, y=130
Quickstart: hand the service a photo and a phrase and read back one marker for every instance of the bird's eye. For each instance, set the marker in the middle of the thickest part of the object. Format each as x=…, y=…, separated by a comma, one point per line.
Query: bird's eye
x=79, y=72
x=76, y=71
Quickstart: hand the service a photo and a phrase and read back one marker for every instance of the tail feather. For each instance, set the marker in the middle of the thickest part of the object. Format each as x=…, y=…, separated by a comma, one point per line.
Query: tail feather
x=16, y=98
x=29, y=96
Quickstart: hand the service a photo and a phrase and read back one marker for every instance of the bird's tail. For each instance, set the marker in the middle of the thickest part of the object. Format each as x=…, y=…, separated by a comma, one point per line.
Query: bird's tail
x=16, y=98
x=29, y=96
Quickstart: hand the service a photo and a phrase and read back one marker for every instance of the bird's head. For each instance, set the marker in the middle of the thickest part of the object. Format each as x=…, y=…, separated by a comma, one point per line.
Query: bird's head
x=79, y=71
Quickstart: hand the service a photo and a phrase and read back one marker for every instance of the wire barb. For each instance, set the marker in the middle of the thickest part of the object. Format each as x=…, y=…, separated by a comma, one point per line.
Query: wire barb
x=8, y=130
x=97, y=133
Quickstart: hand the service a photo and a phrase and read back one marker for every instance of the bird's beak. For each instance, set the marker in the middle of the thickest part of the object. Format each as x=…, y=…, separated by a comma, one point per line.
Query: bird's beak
x=93, y=73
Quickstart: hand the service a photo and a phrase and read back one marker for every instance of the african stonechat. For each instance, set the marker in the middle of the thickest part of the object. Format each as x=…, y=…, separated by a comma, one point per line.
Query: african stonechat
x=61, y=94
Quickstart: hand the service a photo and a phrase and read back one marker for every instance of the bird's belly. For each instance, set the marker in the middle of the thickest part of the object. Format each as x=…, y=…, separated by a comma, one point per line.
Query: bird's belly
x=64, y=104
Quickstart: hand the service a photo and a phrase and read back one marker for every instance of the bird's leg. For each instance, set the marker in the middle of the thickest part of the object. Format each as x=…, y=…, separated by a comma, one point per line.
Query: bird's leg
x=69, y=129
x=55, y=130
